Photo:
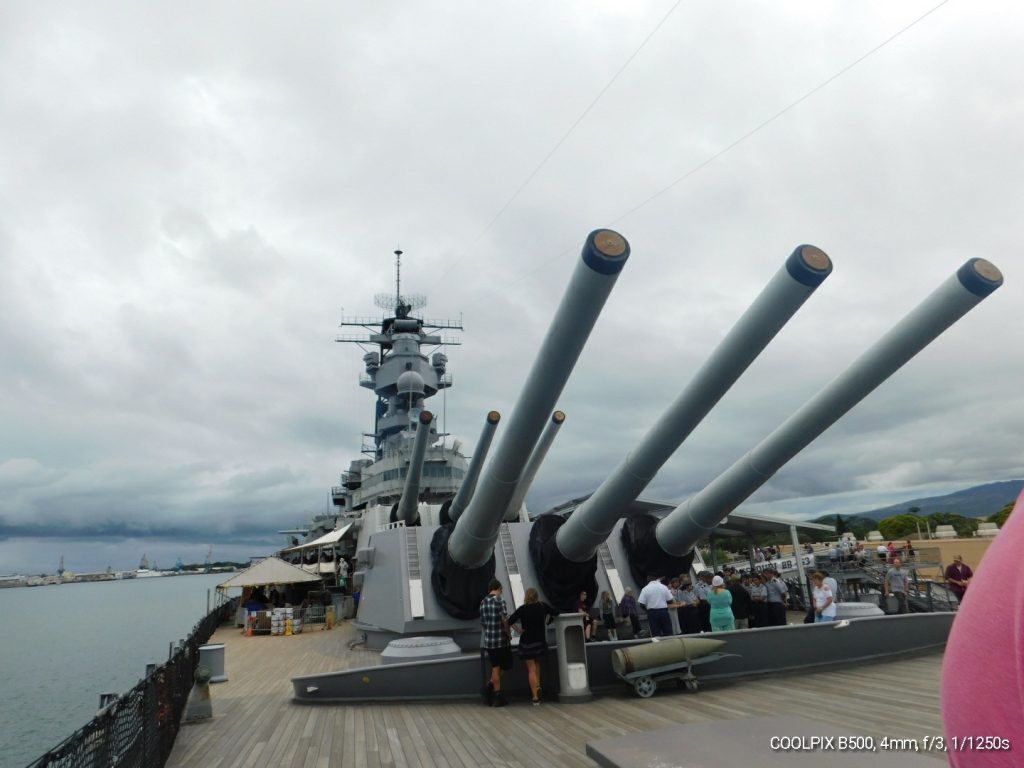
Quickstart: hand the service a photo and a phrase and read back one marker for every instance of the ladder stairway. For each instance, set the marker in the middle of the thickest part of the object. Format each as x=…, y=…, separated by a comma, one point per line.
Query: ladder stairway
x=412, y=563
x=508, y=553
x=604, y=554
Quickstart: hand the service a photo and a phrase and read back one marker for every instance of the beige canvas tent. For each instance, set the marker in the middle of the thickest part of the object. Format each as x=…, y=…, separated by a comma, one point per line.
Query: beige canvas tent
x=271, y=570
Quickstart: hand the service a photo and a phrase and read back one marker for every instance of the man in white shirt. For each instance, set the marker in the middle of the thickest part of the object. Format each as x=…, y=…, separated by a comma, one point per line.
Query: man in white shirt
x=832, y=584
x=657, y=599
x=824, y=600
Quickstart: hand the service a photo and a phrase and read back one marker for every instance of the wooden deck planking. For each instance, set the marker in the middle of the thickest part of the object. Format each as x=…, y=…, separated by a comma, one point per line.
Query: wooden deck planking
x=257, y=725
x=358, y=754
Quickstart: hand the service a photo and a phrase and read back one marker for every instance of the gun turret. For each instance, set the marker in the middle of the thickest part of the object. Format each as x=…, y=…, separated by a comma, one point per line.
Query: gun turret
x=458, y=504
x=407, y=509
x=464, y=556
x=692, y=520
x=564, y=549
x=536, y=459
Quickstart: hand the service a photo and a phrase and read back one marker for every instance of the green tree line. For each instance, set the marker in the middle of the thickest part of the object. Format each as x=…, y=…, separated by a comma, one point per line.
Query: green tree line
x=907, y=525
x=902, y=526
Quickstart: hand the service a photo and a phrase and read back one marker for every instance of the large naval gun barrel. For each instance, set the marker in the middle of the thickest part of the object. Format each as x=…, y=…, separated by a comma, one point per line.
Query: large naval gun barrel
x=536, y=459
x=468, y=487
x=692, y=520
x=564, y=550
x=407, y=509
x=464, y=556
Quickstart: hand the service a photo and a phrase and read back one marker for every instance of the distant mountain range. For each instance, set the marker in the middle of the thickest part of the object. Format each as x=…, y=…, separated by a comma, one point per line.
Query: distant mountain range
x=978, y=501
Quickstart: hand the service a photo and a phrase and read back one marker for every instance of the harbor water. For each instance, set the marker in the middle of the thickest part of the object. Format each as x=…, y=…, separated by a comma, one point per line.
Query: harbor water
x=63, y=645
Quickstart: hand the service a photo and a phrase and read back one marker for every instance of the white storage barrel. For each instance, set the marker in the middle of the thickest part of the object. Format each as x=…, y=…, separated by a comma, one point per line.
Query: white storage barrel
x=577, y=674
x=212, y=656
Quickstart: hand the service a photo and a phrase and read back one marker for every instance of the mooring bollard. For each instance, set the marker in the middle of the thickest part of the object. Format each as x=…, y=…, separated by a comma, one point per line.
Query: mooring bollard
x=199, y=706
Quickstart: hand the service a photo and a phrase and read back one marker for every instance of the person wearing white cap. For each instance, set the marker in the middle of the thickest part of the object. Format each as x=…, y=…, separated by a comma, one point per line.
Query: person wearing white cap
x=721, y=606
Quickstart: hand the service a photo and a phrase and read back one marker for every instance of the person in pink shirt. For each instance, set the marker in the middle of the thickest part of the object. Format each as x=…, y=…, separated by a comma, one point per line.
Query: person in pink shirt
x=983, y=668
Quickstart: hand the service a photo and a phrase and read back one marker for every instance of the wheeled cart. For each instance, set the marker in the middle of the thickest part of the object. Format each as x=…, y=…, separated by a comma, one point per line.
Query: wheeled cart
x=645, y=681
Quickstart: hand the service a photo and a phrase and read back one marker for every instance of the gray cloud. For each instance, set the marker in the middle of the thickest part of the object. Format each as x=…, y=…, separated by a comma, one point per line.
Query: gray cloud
x=189, y=197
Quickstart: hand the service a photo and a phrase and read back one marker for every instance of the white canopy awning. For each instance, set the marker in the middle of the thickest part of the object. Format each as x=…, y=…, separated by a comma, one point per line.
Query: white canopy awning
x=271, y=570
x=328, y=538
x=318, y=567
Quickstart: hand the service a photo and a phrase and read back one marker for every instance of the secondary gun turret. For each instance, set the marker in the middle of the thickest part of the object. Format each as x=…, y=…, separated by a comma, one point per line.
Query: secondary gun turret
x=564, y=550
x=463, y=556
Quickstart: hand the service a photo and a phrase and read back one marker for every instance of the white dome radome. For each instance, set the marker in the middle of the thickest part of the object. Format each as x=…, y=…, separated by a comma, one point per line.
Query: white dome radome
x=410, y=382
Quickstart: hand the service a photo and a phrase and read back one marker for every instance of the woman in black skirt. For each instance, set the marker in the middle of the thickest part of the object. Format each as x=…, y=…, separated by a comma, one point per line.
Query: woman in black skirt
x=533, y=616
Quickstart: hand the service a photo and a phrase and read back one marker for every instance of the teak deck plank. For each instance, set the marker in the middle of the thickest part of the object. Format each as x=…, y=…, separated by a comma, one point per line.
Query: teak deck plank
x=256, y=724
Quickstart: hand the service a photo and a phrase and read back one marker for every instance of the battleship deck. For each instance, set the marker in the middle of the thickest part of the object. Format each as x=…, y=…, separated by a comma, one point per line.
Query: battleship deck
x=256, y=722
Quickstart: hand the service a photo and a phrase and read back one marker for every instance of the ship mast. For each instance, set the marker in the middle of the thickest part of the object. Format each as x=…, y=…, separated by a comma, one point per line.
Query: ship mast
x=398, y=369
x=398, y=278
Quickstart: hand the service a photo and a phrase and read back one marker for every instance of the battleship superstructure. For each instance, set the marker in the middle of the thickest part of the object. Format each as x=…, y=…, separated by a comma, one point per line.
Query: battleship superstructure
x=404, y=367
x=430, y=528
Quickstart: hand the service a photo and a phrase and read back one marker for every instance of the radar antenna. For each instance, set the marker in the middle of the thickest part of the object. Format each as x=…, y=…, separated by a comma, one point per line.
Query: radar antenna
x=399, y=304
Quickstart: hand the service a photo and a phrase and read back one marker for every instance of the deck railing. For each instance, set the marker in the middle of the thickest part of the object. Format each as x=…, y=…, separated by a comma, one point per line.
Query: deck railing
x=137, y=729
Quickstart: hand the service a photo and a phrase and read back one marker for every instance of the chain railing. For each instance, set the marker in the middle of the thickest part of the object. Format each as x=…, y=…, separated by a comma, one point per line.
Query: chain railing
x=137, y=729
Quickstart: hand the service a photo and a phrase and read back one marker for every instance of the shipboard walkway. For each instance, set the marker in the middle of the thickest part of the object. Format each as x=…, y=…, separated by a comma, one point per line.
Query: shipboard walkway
x=257, y=724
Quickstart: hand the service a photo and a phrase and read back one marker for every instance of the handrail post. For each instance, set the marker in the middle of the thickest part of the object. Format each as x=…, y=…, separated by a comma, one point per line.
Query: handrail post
x=149, y=725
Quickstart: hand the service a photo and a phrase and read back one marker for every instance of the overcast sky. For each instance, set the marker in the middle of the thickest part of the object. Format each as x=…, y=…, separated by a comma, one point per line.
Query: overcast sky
x=192, y=194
